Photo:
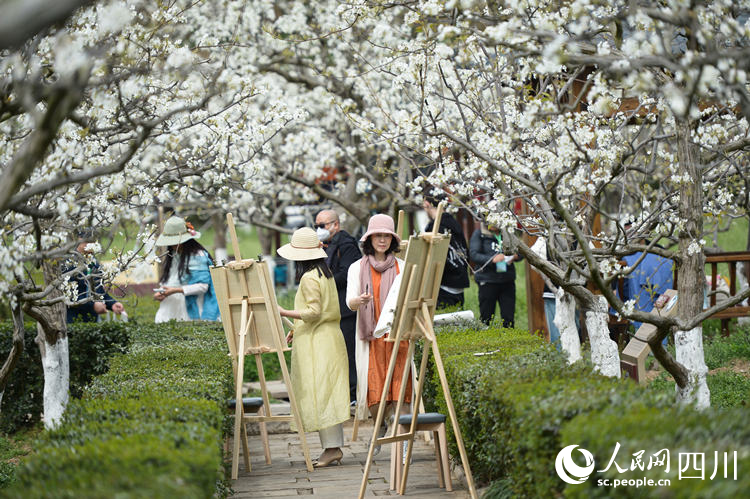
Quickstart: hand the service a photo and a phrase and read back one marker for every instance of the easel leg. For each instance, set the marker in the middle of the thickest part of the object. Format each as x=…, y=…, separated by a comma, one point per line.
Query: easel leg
x=415, y=407
x=245, y=444
x=404, y=381
x=445, y=467
x=393, y=479
x=295, y=411
x=439, y=461
x=421, y=410
x=238, y=409
x=266, y=409
x=454, y=419
x=264, y=436
x=397, y=449
x=379, y=418
x=355, y=425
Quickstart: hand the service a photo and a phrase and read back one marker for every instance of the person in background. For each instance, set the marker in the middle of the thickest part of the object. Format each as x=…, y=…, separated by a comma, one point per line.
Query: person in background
x=368, y=283
x=455, y=274
x=319, y=367
x=342, y=251
x=186, y=292
x=89, y=288
x=548, y=296
x=495, y=275
x=650, y=278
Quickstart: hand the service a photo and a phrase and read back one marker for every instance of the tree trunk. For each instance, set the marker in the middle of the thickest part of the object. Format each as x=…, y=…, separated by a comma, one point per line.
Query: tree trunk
x=690, y=273
x=565, y=320
x=604, y=353
x=742, y=283
x=689, y=350
x=265, y=237
x=15, y=351
x=52, y=338
x=56, y=377
x=220, y=239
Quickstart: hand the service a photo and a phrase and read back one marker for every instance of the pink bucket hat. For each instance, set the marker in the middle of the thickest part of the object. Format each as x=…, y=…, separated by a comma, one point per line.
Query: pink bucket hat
x=380, y=224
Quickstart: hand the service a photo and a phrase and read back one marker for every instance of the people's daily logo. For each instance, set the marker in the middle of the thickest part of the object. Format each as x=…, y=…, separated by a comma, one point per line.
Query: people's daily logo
x=568, y=470
x=690, y=465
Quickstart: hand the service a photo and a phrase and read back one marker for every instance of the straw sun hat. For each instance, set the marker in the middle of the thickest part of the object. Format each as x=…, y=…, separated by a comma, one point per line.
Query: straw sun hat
x=304, y=245
x=176, y=231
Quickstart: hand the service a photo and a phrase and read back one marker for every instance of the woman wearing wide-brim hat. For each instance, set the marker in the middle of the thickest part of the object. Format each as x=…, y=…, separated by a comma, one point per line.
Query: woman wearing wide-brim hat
x=320, y=368
x=186, y=291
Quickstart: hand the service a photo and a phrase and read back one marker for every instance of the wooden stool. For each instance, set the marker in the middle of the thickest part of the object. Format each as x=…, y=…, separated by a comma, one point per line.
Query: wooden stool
x=430, y=421
x=252, y=405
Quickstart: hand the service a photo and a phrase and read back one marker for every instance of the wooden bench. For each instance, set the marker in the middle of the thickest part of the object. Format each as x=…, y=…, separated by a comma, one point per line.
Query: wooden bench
x=731, y=259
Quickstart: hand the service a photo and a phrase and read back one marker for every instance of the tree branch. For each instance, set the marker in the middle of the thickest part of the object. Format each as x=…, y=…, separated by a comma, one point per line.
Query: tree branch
x=359, y=213
x=34, y=148
x=24, y=19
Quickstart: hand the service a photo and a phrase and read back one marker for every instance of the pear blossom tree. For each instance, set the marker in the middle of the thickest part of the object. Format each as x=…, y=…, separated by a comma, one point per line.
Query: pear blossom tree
x=591, y=112
x=313, y=57
x=126, y=105
x=320, y=57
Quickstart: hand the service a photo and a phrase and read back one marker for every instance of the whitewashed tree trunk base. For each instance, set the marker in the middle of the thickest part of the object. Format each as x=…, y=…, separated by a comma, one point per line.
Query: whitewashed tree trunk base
x=56, y=381
x=565, y=320
x=742, y=284
x=689, y=353
x=604, y=353
x=220, y=255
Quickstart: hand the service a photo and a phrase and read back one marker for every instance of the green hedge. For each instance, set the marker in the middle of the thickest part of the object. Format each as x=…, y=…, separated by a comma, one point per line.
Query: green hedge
x=152, y=426
x=90, y=346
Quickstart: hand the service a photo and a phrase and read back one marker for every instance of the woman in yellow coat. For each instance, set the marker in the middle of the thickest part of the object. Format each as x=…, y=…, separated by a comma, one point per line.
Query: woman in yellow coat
x=320, y=368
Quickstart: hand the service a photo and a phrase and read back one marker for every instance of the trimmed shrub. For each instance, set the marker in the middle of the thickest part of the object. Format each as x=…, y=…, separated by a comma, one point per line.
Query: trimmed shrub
x=152, y=426
x=90, y=345
x=130, y=466
x=465, y=372
x=535, y=397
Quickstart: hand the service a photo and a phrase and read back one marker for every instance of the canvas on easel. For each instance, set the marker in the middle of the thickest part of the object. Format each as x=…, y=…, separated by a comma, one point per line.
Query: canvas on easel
x=252, y=326
x=413, y=318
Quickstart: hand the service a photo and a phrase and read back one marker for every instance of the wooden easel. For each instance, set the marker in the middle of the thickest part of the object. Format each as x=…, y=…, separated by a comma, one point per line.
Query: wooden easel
x=252, y=326
x=400, y=231
x=425, y=260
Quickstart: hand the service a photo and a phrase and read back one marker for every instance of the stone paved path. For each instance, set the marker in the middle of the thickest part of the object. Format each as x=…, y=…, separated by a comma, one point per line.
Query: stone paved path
x=287, y=476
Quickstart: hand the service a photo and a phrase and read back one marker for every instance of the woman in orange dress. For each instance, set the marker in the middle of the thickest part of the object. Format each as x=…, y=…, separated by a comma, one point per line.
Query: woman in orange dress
x=368, y=282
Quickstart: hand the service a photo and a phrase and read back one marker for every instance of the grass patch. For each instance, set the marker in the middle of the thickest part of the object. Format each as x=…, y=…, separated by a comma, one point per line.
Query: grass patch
x=729, y=389
x=13, y=448
x=720, y=351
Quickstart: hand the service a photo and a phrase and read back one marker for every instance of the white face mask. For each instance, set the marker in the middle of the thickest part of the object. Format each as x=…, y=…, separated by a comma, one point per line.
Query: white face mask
x=323, y=234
